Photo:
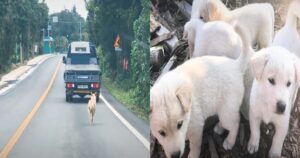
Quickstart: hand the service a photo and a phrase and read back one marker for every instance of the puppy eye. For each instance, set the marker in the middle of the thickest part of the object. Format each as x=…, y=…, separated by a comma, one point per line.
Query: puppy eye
x=288, y=83
x=272, y=81
x=179, y=124
x=201, y=17
x=162, y=133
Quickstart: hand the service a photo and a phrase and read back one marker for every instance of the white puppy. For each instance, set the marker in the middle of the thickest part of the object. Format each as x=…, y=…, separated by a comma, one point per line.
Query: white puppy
x=184, y=97
x=288, y=36
x=213, y=38
x=257, y=19
x=218, y=38
x=276, y=72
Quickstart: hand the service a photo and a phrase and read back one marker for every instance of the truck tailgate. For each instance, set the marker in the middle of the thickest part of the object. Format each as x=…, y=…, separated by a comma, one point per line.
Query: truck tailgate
x=82, y=73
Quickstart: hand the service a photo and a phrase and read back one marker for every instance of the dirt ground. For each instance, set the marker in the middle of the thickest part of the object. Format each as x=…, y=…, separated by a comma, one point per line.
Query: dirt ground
x=212, y=143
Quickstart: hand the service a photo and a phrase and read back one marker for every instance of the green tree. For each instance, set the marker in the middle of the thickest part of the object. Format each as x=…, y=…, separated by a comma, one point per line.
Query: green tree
x=21, y=23
x=68, y=25
x=140, y=57
x=106, y=19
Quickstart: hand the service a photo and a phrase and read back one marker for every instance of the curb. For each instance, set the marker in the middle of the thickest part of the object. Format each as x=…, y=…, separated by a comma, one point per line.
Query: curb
x=37, y=60
x=3, y=84
x=15, y=74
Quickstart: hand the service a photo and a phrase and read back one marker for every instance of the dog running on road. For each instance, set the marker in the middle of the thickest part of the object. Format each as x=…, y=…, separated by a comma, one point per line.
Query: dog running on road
x=92, y=107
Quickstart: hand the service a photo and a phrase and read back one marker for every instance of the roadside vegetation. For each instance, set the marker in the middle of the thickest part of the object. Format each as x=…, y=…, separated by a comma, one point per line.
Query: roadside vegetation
x=20, y=29
x=128, y=82
x=125, y=97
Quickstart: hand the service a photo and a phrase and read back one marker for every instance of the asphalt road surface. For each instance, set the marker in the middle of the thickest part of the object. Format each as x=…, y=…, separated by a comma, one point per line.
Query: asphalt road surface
x=60, y=129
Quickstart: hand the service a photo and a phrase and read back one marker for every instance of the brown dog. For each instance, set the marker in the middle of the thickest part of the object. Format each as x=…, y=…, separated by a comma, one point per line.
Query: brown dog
x=92, y=107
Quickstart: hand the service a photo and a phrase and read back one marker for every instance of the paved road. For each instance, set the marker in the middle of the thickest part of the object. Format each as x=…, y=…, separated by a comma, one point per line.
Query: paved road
x=61, y=129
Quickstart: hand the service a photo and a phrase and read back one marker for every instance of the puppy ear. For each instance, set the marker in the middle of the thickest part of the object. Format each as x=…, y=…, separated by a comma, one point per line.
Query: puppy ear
x=151, y=103
x=258, y=63
x=185, y=35
x=153, y=100
x=212, y=11
x=184, y=96
x=297, y=70
x=185, y=31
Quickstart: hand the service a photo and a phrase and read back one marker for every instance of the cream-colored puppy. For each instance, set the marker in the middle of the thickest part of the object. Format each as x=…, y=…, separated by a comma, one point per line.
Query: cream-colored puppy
x=288, y=36
x=213, y=38
x=276, y=72
x=92, y=107
x=184, y=97
x=257, y=19
x=218, y=38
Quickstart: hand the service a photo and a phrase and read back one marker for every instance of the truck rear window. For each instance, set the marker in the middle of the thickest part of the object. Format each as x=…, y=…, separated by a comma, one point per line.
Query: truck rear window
x=80, y=59
x=80, y=49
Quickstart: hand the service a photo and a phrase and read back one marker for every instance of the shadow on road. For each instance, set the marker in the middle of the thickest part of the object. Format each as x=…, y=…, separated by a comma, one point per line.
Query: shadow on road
x=79, y=100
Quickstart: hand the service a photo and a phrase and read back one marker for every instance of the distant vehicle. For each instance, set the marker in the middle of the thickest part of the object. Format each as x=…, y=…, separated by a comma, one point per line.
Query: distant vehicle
x=82, y=72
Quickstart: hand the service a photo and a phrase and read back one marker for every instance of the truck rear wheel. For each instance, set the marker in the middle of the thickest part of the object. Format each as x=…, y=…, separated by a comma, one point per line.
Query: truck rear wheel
x=97, y=98
x=68, y=98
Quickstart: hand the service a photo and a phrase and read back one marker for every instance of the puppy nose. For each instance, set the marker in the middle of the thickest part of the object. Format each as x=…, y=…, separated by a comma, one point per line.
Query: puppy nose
x=176, y=155
x=280, y=107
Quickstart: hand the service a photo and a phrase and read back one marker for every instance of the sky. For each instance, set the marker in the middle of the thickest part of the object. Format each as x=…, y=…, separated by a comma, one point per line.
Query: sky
x=59, y=5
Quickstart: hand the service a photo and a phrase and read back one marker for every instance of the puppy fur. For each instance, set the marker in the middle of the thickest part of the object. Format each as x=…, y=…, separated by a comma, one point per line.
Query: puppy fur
x=92, y=107
x=184, y=97
x=257, y=19
x=276, y=72
x=202, y=39
x=288, y=36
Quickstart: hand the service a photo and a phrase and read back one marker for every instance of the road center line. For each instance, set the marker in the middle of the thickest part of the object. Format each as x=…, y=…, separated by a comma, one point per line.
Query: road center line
x=144, y=141
x=13, y=140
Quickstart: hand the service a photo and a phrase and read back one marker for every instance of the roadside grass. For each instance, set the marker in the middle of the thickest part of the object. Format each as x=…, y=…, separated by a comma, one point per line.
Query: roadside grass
x=126, y=98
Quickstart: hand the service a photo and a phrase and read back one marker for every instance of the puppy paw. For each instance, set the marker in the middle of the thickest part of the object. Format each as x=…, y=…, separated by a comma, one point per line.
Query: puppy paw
x=227, y=145
x=219, y=129
x=274, y=153
x=253, y=146
x=194, y=154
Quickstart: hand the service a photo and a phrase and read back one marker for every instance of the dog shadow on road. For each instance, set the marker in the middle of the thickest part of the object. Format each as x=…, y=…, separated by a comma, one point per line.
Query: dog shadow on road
x=94, y=124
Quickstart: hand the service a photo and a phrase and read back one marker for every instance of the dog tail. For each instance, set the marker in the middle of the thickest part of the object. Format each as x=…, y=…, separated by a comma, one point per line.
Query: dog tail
x=191, y=26
x=190, y=33
x=195, y=13
x=272, y=15
x=243, y=59
x=293, y=13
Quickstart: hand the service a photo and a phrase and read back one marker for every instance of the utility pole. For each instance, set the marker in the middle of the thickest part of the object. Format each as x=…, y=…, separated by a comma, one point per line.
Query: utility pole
x=48, y=28
x=43, y=33
x=20, y=49
x=80, y=30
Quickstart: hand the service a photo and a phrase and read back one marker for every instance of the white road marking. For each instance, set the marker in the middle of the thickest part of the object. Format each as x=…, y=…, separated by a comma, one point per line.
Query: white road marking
x=144, y=141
